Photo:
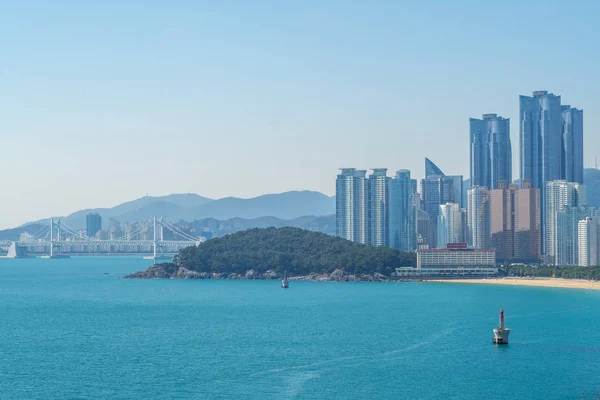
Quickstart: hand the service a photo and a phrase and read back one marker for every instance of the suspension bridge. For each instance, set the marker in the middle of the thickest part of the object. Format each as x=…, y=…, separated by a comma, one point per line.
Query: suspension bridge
x=58, y=240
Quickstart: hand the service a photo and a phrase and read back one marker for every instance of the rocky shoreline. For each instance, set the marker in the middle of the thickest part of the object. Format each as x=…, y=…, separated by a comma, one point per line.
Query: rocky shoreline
x=173, y=271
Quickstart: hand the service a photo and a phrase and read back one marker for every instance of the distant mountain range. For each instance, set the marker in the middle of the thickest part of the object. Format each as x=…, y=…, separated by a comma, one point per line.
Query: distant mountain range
x=285, y=206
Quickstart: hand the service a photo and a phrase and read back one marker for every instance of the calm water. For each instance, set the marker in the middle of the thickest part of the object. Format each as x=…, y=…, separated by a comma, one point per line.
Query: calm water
x=72, y=329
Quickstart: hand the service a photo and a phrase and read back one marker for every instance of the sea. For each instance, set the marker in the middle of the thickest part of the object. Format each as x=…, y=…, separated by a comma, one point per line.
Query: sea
x=74, y=329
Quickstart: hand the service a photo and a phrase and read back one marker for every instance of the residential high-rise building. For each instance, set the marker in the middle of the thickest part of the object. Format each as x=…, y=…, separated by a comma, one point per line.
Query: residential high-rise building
x=551, y=144
x=589, y=242
x=402, y=207
x=378, y=207
x=567, y=233
x=93, y=223
x=559, y=194
x=436, y=188
x=515, y=222
x=491, y=152
x=479, y=217
x=449, y=225
x=572, y=144
x=352, y=205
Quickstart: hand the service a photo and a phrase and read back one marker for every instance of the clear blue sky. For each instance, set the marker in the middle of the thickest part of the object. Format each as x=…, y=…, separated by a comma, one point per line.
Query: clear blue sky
x=103, y=102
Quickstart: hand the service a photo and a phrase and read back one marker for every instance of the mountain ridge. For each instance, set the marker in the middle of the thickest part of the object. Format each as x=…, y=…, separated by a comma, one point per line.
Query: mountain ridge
x=189, y=206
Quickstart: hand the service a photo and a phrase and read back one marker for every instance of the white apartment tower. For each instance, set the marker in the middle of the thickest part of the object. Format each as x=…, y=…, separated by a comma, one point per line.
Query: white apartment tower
x=589, y=243
x=559, y=195
x=479, y=225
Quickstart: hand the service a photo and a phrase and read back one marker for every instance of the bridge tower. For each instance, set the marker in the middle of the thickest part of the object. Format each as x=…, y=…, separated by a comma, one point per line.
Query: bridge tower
x=53, y=242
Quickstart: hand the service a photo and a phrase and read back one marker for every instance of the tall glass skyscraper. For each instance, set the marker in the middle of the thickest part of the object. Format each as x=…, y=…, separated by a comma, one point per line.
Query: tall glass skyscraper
x=352, y=205
x=572, y=143
x=551, y=143
x=378, y=208
x=491, y=152
x=402, y=207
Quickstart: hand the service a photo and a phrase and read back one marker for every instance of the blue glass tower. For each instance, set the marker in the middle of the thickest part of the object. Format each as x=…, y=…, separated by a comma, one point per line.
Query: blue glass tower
x=403, y=235
x=490, y=150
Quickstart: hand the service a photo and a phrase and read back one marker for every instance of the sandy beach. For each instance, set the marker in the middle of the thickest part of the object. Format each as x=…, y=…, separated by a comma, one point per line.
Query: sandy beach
x=542, y=282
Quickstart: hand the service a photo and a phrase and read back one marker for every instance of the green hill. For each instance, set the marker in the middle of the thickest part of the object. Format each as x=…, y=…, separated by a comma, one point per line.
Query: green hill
x=298, y=251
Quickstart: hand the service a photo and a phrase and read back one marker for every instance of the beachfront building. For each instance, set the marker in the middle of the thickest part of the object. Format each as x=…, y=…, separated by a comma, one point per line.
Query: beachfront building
x=455, y=260
x=589, y=242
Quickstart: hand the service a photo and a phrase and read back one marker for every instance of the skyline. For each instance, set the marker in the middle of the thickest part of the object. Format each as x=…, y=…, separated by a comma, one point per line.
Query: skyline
x=106, y=103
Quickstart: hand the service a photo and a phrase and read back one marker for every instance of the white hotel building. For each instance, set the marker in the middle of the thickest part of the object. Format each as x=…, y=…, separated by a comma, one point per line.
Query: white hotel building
x=453, y=261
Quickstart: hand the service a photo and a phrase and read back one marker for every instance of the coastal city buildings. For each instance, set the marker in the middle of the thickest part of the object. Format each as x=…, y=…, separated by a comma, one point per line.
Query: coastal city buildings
x=589, y=242
x=93, y=224
x=534, y=219
x=567, y=228
x=479, y=217
x=490, y=151
x=352, y=205
x=551, y=146
x=515, y=222
x=559, y=195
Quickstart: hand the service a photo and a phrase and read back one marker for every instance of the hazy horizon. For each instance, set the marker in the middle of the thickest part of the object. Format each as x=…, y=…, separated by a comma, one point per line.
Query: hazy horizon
x=105, y=103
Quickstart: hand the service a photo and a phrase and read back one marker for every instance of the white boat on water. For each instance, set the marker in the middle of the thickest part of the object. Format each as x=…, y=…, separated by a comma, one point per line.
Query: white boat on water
x=284, y=282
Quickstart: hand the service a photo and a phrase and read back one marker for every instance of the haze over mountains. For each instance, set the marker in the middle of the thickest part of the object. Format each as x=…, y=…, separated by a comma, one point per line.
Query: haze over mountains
x=286, y=206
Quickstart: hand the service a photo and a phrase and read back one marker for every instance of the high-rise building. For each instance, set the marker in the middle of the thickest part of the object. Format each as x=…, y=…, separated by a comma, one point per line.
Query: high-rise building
x=402, y=207
x=551, y=144
x=491, y=152
x=479, y=217
x=572, y=144
x=567, y=233
x=378, y=207
x=93, y=223
x=589, y=242
x=559, y=195
x=515, y=222
x=449, y=225
x=437, y=188
x=352, y=205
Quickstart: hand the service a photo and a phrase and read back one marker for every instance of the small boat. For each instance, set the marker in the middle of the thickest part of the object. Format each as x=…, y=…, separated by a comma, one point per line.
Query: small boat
x=284, y=282
x=501, y=333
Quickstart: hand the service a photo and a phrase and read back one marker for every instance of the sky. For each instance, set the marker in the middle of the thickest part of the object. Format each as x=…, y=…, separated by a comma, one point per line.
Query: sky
x=105, y=102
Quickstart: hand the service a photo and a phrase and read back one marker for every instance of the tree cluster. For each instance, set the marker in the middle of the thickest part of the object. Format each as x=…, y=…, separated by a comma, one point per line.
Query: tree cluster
x=570, y=272
x=298, y=251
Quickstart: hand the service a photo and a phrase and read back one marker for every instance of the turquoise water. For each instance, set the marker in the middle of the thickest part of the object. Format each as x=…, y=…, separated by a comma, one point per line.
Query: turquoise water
x=72, y=329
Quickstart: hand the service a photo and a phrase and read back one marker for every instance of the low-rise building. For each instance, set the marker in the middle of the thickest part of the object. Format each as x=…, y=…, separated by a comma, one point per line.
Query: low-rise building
x=455, y=260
